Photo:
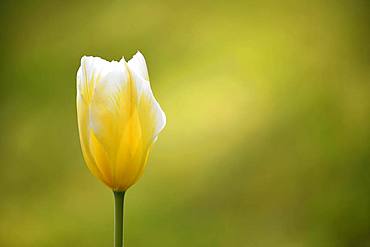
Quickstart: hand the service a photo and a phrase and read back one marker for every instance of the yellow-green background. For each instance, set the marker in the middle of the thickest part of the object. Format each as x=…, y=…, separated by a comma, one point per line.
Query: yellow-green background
x=267, y=140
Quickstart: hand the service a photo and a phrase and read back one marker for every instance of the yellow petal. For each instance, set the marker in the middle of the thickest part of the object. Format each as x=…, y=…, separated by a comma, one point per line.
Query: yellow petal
x=145, y=123
x=86, y=78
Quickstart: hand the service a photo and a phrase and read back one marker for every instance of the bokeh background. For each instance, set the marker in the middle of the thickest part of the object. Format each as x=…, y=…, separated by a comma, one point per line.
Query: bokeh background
x=268, y=135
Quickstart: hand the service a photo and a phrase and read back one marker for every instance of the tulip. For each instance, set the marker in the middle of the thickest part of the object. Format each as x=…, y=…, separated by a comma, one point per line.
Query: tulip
x=118, y=120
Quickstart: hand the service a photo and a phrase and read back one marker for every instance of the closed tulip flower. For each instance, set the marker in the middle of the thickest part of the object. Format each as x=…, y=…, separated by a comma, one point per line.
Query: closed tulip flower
x=118, y=120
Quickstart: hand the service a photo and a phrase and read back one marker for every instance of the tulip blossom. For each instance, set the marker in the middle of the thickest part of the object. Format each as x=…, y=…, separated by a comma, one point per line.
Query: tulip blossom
x=118, y=119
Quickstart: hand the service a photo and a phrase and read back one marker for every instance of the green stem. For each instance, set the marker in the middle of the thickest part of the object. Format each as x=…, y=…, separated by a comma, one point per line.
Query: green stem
x=119, y=198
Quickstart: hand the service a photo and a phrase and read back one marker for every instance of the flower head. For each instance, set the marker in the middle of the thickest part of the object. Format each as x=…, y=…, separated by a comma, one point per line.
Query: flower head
x=118, y=118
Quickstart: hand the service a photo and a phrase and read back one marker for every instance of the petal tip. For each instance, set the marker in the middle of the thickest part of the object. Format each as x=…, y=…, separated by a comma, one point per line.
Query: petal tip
x=123, y=60
x=138, y=64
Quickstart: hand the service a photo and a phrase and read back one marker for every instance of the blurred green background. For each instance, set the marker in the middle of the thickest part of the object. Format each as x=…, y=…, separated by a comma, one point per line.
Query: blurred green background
x=267, y=141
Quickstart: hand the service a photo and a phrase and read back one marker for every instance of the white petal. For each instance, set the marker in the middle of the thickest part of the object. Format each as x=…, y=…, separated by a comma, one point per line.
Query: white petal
x=107, y=103
x=110, y=84
x=151, y=114
x=138, y=64
x=90, y=69
x=99, y=84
